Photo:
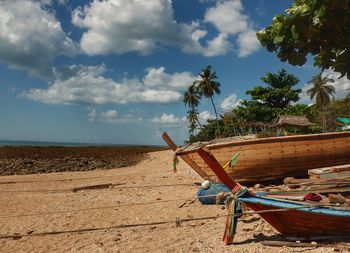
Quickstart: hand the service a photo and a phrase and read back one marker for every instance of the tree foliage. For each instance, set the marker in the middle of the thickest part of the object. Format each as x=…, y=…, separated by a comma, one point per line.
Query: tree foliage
x=192, y=99
x=321, y=90
x=317, y=27
x=276, y=97
x=269, y=101
x=208, y=86
x=207, y=132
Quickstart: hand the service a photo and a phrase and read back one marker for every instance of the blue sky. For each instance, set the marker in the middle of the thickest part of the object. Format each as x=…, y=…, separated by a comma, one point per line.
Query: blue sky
x=115, y=71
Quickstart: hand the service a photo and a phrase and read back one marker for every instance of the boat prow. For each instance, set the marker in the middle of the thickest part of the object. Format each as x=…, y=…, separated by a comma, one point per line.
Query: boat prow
x=267, y=159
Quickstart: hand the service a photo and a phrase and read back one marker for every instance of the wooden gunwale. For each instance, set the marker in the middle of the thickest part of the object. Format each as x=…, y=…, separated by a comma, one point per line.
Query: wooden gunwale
x=283, y=139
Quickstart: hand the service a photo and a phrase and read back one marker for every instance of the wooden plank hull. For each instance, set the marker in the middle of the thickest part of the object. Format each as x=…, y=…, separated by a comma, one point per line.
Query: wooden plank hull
x=273, y=158
x=294, y=220
x=306, y=224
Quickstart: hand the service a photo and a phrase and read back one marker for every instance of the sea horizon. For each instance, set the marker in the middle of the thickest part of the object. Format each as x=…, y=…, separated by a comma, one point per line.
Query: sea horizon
x=19, y=143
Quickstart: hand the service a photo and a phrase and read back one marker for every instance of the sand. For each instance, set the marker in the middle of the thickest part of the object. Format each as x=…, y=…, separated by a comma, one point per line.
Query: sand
x=47, y=193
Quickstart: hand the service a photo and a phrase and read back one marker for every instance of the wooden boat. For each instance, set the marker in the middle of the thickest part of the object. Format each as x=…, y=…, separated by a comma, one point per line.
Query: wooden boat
x=270, y=158
x=294, y=220
x=300, y=221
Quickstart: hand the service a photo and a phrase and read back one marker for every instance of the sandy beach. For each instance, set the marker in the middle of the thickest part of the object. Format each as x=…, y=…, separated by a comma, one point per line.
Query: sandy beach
x=148, y=192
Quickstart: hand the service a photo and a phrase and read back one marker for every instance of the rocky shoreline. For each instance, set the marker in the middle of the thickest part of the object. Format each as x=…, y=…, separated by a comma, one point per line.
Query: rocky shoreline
x=32, y=160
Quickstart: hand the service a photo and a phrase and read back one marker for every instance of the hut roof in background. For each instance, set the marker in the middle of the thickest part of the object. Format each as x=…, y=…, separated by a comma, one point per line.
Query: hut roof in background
x=299, y=121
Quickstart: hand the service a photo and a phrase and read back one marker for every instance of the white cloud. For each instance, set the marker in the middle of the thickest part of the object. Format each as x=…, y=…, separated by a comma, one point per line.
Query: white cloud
x=204, y=116
x=230, y=102
x=79, y=84
x=92, y=115
x=220, y=45
x=168, y=119
x=130, y=118
x=112, y=116
x=31, y=37
x=109, y=116
x=120, y=26
x=247, y=43
x=157, y=78
x=227, y=16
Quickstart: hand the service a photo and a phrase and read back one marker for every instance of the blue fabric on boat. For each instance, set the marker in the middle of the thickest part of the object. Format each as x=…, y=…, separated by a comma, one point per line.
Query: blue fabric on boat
x=208, y=196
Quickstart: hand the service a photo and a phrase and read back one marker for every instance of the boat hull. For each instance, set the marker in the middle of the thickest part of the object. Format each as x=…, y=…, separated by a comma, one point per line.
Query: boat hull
x=302, y=224
x=274, y=158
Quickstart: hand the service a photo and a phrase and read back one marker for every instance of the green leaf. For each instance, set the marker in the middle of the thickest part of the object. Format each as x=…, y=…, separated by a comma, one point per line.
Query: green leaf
x=296, y=59
x=294, y=33
x=278, y=39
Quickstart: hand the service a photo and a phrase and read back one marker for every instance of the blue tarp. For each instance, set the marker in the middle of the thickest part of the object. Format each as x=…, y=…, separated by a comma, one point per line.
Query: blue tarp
x=344, y=121
x=208, y=196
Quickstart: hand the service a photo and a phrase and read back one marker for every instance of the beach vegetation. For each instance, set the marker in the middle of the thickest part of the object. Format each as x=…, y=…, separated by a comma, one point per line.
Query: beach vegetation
x=323, y=92
x=208, y=86
x=277, y=96
x=192, y=100
x=271, y=99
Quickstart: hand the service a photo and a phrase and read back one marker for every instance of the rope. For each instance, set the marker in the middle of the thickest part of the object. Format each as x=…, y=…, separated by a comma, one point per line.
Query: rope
x=104, y=207
x=92, y=208
x=107, y=207
x=192, y=198
x=76, y=179
x=177, y=221
x=112, y=187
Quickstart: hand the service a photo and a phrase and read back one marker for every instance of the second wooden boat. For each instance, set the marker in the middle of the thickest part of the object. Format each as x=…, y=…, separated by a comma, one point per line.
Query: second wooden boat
x=295, y=221
x=269, y=158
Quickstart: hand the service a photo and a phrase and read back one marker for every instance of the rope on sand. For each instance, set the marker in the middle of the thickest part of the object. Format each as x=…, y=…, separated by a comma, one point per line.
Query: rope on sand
x=93, y=208
x=165, y=201
x=80, y=178
x=177, y=221
x=112, y=186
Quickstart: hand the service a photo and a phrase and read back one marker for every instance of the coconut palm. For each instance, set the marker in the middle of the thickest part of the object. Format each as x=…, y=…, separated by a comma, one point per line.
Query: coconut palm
x=192, y=96
x=192, y=117
x=192, y=99
x=208, y=86
x=321, y=90
x=323, y=93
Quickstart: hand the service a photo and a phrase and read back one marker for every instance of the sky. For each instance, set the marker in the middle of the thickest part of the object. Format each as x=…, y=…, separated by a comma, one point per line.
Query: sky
x=115, y=71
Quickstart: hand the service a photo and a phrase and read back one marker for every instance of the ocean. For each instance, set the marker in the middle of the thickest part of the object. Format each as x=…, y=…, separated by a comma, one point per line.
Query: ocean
x=4, y=143
x=50, y=144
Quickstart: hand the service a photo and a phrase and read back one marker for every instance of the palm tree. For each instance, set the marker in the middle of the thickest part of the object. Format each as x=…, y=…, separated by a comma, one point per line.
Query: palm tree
x=192, y=99
x=192, y=96
x=192, y=117
x=323, y=93
x=208, y=86
x=321, y=90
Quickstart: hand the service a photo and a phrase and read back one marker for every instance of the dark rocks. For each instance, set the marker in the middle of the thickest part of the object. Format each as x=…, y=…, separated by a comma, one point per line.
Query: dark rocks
x=31, y=160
